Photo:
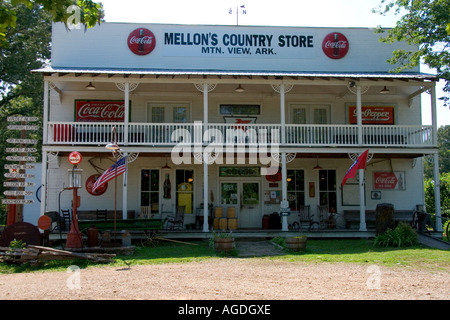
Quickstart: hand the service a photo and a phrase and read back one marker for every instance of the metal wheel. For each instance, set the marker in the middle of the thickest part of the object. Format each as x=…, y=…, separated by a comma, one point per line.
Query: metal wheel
x=447, y=231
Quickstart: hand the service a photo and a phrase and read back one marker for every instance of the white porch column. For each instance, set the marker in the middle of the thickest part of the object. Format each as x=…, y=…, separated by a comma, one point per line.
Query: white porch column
x=362, y=202
x=437, y=184
x=44, y=183
x=45, y=114
x=127, y=112
x=359, y=114
x=284, y=202
x=205, y=162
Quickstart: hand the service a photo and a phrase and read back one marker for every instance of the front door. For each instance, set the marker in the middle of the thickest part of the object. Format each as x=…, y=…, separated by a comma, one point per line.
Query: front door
x=245, y=197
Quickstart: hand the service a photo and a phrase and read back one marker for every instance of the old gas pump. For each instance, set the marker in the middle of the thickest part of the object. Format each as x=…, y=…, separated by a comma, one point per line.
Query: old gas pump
x=74, y=237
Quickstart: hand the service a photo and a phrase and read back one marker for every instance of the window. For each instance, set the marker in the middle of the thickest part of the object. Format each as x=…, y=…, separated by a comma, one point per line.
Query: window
x=238, y=109
x=310, y=113
x=327, y=189
x=150, y=189
x=184, y=190
x=296, y=188
x=168, y=112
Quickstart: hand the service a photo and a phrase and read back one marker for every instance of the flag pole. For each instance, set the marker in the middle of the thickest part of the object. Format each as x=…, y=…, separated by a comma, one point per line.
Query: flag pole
x=362, y=202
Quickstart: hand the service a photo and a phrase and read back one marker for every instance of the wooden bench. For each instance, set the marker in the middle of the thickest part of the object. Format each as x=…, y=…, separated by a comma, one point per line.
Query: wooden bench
x=92, y=214
x=352, y=216
x=121, y=224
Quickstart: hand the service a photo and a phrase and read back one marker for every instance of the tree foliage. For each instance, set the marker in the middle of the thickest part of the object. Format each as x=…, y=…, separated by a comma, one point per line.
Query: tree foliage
x=425, y=24
x=86, y=12
x=444, y=153
x=444, y=193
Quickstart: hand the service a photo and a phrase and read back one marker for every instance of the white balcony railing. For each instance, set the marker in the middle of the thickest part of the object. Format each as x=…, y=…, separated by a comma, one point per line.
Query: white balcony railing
x=166, y=134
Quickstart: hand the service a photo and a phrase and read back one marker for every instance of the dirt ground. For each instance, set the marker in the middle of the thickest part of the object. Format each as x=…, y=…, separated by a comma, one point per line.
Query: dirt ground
x=231, y=279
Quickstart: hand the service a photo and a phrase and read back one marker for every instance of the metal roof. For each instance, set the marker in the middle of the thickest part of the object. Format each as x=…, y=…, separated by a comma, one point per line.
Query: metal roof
x=238, y=73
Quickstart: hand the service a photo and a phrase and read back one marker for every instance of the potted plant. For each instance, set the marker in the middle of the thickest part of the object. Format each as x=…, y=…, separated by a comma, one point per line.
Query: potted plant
x=296, y=243
x=223, y=241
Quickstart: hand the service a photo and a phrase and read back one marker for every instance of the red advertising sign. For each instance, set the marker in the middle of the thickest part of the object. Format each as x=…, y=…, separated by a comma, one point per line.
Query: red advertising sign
x=99, y=111
x=141, y=41
x=335, y=45
x=90, y=184
x=373, y=114
x=75, y=158
x=389, y=180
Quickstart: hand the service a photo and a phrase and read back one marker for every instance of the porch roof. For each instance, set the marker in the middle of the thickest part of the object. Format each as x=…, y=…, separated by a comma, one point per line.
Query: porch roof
x=136, y=74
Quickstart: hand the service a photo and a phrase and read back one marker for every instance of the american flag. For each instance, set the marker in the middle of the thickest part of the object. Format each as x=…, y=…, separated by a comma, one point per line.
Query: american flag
x=111, y=173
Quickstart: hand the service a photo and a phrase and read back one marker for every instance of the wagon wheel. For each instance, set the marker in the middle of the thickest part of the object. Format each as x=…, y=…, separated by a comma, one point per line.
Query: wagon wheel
x=149, y=238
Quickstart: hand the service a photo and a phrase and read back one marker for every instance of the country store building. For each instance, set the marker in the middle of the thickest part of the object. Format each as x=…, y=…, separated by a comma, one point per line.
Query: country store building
x=208, y=114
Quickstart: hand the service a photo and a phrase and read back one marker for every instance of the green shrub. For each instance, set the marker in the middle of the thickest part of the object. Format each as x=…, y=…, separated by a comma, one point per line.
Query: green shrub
x=402, y=236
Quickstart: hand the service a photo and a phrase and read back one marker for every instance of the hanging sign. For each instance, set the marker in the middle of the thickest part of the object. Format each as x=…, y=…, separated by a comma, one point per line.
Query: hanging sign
x=75, y=158
x=22, y=127
x=13, y=193
x=18, y=175
x=21, y=158
x=99, y=111
x=22, y=141
x=90, y=184
x=18, y=184
x=20, y=118
x=372, y=114
x=389, y=180
x=17, y=201
x=19, y=166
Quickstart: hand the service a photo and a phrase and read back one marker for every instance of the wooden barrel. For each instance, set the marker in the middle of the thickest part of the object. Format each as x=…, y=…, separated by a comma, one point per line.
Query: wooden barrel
x=218, y=212
x=232, y=223
x=296, y=243
x=223, y=224
x=231, y=212
x=216, y=223
x=224, y=244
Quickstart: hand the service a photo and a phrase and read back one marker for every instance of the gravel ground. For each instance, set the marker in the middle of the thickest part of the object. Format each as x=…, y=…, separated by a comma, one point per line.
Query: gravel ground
x=231, y=279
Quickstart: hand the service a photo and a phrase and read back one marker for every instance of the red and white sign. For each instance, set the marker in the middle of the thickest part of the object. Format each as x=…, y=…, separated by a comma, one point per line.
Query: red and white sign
x=389, y=180
x=75, y=157
x=90, y=185
x=141, y=41
x=372, y=114
x=335, y=45
x=99, y=111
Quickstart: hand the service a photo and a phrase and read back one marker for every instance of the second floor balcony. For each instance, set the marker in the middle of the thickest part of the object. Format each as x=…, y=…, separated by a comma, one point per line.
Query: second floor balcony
x=289, y=135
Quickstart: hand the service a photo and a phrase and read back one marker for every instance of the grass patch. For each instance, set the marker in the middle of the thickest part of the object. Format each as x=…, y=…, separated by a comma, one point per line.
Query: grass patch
x=364, y=251
x=360, y=251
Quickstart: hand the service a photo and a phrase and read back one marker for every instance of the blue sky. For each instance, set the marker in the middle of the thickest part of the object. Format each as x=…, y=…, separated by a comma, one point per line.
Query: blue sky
x=301, y=13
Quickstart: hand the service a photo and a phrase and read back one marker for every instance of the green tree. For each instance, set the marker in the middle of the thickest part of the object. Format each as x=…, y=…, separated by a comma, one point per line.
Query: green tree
x=444, y=153
x=444, y=192
x=86, y=12
x=425, y=24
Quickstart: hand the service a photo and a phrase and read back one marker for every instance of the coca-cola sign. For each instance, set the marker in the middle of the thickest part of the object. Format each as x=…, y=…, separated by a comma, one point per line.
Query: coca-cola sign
x=141, y=41
x=389, y=180
x=373, y=115
x=99, y=111
x=335, y=45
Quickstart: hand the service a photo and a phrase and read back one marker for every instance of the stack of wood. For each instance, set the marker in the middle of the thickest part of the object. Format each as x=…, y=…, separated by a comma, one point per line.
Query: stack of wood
x=35, y=254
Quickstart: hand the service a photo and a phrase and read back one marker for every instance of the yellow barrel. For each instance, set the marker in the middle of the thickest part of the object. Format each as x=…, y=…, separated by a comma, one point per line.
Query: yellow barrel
x=231, y=212
x=218, y=212
x=216, y=223
x=232, y=223
x=223, y=223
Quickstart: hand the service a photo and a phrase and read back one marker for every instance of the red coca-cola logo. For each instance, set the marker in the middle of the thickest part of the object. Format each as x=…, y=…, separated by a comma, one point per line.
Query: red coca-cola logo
x=385, y=180
x=335, y=45
x=90, y=184
x=141, y=41
x=100, y=111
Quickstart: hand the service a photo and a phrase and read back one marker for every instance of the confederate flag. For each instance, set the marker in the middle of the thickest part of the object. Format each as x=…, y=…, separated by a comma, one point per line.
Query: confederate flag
x=360, y=163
